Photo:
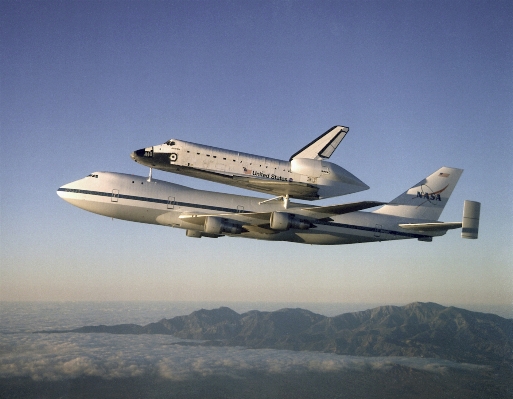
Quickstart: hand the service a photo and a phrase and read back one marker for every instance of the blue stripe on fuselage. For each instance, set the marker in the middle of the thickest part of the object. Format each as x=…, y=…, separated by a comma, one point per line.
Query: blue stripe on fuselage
x=153, y=200
x=231, y=210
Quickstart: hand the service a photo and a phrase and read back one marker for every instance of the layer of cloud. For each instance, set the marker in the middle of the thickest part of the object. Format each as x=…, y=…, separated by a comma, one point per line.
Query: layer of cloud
x=61, y=356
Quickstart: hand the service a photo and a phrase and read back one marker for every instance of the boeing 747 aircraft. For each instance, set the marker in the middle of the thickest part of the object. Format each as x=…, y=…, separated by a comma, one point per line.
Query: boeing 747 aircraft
x=307, y=175
x=413, y=214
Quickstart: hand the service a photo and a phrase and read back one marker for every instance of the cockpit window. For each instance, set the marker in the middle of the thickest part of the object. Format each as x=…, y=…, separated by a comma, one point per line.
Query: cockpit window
x=92, y=175
x=170, y=142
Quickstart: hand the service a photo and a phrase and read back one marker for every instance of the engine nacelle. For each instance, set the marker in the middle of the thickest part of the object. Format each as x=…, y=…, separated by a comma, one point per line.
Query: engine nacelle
x=193, y=233
x=285, y=221
x=199, y=234
x=217, y=226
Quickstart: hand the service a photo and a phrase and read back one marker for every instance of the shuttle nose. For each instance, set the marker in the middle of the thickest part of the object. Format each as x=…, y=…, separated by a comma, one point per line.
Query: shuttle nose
x=137, y=154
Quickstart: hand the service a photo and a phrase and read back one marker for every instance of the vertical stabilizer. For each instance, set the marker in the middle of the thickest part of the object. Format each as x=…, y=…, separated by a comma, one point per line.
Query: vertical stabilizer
x=426, y=199
x=324, y=145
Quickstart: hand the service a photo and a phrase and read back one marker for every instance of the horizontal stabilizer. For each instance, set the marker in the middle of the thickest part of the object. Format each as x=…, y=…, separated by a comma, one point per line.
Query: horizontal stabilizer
x=436, y=226
x=324, y=145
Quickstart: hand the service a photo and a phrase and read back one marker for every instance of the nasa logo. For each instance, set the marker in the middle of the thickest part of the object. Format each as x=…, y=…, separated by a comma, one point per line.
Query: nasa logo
x=173, y=157
x=430, y=197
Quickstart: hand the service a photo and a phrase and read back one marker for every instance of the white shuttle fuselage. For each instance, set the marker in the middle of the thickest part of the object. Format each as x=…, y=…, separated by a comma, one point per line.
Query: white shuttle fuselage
x=307, y=175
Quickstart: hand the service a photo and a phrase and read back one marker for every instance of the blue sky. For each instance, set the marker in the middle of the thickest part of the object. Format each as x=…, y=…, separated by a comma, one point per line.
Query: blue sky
x=421, y=84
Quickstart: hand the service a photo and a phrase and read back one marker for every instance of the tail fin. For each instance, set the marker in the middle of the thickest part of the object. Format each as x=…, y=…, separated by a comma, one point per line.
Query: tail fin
x=426, y=199
x=324, y=145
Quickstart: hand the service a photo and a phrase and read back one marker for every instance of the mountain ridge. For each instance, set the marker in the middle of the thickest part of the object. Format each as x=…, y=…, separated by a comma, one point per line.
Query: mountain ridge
x=415, y=330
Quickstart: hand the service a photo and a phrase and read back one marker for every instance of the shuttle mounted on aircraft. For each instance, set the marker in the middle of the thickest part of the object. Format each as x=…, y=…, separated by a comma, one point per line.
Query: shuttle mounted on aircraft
x=413, y=214
x=306, y=175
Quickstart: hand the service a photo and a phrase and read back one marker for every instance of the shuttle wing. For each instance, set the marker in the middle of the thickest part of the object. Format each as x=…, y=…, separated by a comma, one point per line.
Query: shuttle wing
x=324, y=145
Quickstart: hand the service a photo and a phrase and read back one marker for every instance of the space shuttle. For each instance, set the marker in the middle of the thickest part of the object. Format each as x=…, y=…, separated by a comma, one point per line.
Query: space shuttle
x=307, y=175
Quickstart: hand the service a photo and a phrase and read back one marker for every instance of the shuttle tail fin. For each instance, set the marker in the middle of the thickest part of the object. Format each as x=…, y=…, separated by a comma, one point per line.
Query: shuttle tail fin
x=426, y=199
x=324, y=145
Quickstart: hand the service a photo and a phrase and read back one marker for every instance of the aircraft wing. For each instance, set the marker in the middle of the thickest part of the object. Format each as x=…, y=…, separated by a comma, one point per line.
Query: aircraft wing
x=436, y=226
x=319, y=212
x=259, y=221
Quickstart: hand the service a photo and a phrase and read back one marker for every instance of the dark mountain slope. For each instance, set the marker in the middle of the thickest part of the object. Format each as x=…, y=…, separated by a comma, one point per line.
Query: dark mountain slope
x=417, y=329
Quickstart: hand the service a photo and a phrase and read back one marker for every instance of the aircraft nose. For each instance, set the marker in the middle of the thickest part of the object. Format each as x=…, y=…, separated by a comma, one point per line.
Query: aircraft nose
x=60, y=191
x=137, y=154
x=65, y=191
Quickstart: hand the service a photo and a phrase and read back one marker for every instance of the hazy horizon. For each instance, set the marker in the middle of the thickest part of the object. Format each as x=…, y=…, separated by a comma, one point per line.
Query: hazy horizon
x=132, y=310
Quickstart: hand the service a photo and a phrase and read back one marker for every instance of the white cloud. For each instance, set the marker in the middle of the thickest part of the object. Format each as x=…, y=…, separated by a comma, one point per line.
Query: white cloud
x=61, y=356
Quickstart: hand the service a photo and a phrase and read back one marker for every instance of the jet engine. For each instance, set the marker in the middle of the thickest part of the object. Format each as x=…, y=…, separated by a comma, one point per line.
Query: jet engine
x=193, y=233
x=199, y=234
x=215, y=225
x=285, y=221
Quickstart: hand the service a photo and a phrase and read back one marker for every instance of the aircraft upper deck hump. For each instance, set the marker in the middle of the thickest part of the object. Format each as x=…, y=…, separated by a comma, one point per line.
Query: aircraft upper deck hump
x=324, y=145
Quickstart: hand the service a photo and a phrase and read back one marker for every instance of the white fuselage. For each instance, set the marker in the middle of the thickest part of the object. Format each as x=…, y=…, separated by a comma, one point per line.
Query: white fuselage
x=136, y=199
x=301, y=178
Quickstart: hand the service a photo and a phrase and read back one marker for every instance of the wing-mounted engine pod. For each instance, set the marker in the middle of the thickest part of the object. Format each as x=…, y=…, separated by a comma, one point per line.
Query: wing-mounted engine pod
x=285, y=221
x=215, y=225
x=199, y=234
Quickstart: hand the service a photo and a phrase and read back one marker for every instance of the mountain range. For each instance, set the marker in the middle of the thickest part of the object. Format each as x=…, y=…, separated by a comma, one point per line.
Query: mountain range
x=415, y=330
